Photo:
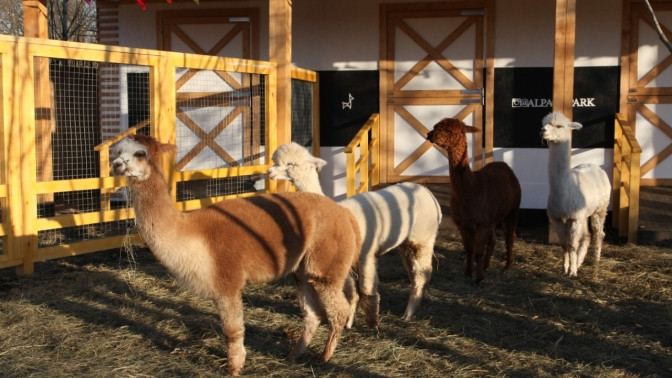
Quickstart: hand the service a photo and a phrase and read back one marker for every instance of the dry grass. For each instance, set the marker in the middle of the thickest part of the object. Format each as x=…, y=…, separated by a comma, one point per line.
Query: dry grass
x=105, y=315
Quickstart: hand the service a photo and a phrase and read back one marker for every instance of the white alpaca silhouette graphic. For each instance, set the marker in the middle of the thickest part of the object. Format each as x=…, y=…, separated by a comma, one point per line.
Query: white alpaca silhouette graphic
x=349, y=103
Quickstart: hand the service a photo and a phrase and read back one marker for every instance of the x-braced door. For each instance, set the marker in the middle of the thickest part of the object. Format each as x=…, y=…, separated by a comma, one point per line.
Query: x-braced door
x=431, y=68
x=217, y=125
x=648, y=74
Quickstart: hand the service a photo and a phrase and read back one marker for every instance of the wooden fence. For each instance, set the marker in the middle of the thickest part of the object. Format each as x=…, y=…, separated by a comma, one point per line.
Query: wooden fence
x=24, y=187
x=362, y=162
x=625, y=188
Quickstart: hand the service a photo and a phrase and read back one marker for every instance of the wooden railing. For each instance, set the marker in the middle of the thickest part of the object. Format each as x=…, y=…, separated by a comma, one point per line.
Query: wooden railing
x=362, y=158
x=20, y=186
x=625, y=188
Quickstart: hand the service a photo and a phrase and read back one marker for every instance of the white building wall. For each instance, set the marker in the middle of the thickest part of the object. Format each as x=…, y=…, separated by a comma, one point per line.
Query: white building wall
x=344, y=35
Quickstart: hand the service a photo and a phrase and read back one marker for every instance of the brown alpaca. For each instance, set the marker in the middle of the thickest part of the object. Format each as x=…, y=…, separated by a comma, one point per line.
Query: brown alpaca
x=216, y=251
x=479, y=200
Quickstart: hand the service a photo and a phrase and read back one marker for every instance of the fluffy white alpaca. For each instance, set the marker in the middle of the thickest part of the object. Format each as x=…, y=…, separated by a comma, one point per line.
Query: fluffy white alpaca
x=404, y=215
x=578, y=197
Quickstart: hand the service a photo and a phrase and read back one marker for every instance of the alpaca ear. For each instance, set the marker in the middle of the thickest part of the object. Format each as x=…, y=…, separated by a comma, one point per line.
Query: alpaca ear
x=575, y=126
x=471, y=129
x=316, y=162
x=167, y=148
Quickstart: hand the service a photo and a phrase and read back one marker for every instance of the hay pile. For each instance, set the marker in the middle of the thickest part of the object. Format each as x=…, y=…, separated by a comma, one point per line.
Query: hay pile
x=103, y=315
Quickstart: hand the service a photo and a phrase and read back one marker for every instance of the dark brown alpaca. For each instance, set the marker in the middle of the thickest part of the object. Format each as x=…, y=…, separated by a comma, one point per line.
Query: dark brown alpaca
x=479, y=200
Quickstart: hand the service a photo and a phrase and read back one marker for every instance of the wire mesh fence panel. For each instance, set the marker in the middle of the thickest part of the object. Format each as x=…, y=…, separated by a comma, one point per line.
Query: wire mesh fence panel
x=220, y=124
x=59, y=199
x=302, y=112
x=79, y=104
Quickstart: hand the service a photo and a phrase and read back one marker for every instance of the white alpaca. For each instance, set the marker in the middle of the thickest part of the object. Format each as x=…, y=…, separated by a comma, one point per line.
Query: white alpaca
x=405, y=215
x=577, y=197
x=217, y=250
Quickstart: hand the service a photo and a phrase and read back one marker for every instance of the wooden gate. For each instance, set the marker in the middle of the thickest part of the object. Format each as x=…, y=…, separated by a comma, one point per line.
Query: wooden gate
x=431, y=67
x=211, y=138
x=646, y=89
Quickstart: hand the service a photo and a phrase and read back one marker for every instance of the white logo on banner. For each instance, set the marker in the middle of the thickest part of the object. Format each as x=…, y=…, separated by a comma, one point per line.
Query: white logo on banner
x=584, y=102
x=349, y=103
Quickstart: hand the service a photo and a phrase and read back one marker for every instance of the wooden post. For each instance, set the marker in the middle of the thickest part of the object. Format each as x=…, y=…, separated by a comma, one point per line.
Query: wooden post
x=34, y=128
x=489, y=121
x=563, y=65
x=35, y=26
x=563, y=59
x=280, y=52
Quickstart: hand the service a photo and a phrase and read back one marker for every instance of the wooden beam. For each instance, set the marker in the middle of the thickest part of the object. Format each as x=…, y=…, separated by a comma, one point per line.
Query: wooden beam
x=563, y=60
x=563, y=66
x=35, y=19
x=489, y=122
x=280, y=52
x=35, y=25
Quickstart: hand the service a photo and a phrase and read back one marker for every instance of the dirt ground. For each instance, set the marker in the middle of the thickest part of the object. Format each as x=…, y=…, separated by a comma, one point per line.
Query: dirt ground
x=112, y=314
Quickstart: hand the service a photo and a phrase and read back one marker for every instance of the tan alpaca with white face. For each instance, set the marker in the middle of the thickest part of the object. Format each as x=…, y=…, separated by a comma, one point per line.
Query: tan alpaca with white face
x=217, y=250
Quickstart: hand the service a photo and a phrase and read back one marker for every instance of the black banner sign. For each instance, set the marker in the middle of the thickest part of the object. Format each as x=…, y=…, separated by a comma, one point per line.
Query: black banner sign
x=523, y=96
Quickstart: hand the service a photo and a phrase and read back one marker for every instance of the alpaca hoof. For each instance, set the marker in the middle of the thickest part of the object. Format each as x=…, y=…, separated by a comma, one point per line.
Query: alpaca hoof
x=290, y=358
x=234, y=371
x=293, y=355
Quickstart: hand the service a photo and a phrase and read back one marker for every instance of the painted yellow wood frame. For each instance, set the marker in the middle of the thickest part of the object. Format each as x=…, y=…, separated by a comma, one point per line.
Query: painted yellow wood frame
x=362, y=156
x=19, y=187
x=626, y=175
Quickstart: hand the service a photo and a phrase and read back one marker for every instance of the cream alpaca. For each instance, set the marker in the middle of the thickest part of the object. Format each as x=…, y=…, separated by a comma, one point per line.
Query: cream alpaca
x=216, y=251
x=406, y=216
x=577, y=197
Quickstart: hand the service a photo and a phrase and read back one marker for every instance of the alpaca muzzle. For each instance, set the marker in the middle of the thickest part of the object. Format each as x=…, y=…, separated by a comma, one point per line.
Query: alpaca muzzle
x=118, y=167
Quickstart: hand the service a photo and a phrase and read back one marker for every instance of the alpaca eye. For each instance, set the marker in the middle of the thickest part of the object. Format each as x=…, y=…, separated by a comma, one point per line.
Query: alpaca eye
x=140, y=154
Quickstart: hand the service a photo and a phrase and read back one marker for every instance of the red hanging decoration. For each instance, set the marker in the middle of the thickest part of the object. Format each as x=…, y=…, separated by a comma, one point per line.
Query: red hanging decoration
x=141, y=4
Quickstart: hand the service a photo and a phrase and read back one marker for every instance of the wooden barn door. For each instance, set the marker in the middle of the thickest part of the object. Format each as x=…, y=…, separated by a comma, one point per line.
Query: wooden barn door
x=646, y=89
x=214, y=127
x=431, y=67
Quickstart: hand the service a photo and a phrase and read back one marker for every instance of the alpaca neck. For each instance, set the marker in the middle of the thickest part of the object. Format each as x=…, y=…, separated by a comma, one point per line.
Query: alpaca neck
x=155, y=214
x=309, y=184
x=460, y=172
x=559, y=162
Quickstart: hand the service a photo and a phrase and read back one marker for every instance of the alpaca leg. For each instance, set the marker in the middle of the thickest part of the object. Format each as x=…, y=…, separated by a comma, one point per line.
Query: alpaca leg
x=231, y=315
x=468, y=241
x=417, y=260
x=583, y=246
x=350, y=291
x=561, y=230
x=489, y=249
x=597, y=226
x=332, y=301
x=481, y=238
x=510, y=236
x=575, y=234
x=368, y=289
x=311, y=318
